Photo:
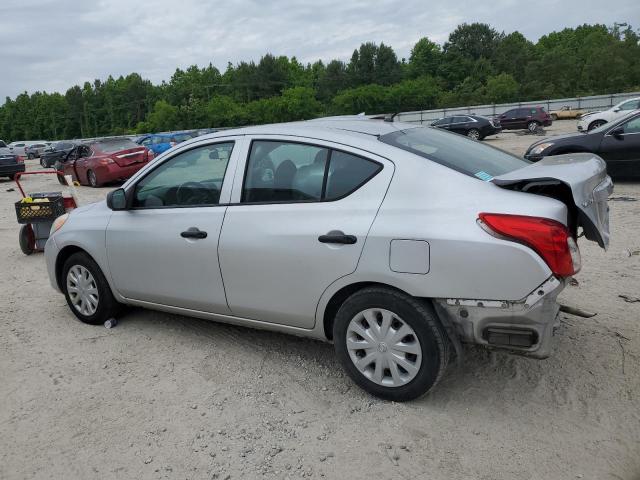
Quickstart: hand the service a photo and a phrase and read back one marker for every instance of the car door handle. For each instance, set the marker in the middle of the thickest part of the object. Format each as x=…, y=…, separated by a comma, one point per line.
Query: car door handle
x=336, y=236
x=193, y=232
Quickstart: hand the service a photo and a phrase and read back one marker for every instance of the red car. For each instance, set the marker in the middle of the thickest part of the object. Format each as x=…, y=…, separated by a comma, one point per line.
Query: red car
x=525, y=117
x=103, y=161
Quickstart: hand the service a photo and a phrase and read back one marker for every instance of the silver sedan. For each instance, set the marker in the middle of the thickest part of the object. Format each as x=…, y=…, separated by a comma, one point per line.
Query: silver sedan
x=396, y=242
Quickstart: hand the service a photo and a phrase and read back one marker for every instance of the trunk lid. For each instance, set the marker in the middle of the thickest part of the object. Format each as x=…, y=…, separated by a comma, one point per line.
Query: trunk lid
x=580, y=180
x=130, y=156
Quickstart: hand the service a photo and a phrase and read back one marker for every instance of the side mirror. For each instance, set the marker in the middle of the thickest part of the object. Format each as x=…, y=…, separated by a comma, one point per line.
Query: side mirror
x=618, y=133
x=616, y=109
x=117, y=199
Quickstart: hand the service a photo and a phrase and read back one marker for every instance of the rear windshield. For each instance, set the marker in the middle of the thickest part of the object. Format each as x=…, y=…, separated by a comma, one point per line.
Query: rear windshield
x=115, y=145
x=455, y=151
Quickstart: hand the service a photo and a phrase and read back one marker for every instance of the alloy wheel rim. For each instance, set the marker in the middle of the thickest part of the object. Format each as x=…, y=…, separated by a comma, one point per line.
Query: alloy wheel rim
x=474, y=134
x=383, y=347
x=92, y=179
x=82, y=290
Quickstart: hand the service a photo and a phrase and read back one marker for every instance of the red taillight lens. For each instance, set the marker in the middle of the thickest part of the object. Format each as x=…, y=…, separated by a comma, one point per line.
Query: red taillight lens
x=549, y=238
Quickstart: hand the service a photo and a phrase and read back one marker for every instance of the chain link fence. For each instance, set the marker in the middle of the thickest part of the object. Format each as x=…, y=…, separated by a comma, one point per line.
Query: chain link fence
x=596, y=102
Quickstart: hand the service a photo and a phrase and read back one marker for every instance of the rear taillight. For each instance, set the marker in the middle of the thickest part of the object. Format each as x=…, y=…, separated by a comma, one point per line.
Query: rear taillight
x=549, y=238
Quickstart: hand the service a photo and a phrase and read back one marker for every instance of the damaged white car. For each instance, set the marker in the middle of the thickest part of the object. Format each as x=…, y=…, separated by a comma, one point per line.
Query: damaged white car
x=394, y=241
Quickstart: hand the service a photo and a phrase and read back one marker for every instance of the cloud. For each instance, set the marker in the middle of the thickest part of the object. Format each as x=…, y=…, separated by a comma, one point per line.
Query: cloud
x=54, y=44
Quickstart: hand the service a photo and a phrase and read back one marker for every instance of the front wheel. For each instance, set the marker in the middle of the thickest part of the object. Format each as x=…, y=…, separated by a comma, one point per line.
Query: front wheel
x=596, y=124
x=31, y=156
x=87, y=292
x=392, y=345
x=474, y=134
x=92, y=179
x=43, y=163
x=554, y=117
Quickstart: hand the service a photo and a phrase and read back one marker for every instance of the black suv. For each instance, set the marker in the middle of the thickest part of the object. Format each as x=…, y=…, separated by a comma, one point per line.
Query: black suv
x=9, y=162
x=529, y=118
x=473, y=126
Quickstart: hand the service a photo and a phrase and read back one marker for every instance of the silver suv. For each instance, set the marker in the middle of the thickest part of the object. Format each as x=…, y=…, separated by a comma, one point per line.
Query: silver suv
x=394, y=241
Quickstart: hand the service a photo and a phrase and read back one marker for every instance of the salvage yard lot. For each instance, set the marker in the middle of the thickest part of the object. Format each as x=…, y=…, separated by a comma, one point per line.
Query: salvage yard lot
x=165, y=396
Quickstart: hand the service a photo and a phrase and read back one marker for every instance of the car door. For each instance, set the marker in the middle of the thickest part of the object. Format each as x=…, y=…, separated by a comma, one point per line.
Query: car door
x=298, y=222
x=443, y=123
x=164, y=248
x=508, y=119
x=459, y=124
x=620, y=148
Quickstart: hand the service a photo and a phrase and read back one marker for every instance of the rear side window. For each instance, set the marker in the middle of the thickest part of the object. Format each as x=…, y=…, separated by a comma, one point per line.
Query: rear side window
x=454, y=151
x=442, y=121
x=347, y=173
x=296, y=172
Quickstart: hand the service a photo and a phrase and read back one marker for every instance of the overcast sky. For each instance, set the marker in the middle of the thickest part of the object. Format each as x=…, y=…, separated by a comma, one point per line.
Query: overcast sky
x=54, y=44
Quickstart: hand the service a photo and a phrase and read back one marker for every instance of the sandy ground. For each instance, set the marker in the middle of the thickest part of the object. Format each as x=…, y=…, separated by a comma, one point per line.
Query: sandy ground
x=164, y=396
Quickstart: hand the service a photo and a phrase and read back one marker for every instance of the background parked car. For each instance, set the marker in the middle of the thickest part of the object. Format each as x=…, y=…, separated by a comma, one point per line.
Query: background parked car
x=35, y=150
x=161, y=142
x=566, y=113
x=529, y=118
x=103, y=161
x=18, y=147
x=10, y=164
x=473, y=126
x=618, y=143
x=56, y=152
x=592, y=120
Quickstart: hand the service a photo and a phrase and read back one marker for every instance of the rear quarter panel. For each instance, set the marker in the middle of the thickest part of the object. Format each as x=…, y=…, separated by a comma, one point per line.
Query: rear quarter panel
x=433, y=203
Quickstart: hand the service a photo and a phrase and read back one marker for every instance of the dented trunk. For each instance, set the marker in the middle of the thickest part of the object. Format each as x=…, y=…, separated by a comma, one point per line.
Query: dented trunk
x=579, y=180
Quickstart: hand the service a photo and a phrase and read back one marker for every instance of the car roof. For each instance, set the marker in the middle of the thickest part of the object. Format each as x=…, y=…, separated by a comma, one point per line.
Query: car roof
x=357, y=127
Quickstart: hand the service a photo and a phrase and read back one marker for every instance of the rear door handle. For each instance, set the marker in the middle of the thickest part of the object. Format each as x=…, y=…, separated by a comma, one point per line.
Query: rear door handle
x=336, y=236
x=193, y=232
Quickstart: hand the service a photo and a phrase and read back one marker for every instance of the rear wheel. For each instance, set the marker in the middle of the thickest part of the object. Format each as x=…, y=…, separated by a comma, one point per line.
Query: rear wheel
x=61, y=180
x=27, y=239
x=87, y=292
x=533, y=126
x=554, y=117
x=596, y=124
x=392, y=345
x=92, y=179
x=474, y=133
x=43, y=163
x=31, y=156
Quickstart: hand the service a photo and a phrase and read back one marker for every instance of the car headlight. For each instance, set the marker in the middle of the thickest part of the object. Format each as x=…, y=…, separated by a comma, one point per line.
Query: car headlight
x=58, y=223
x=538, y=149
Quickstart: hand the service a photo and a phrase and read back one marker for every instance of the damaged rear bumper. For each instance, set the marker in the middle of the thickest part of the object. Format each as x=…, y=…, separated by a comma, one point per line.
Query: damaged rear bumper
x=525, y=326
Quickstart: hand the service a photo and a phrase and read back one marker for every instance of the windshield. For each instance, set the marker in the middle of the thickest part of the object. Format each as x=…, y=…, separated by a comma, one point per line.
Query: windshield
x=115, y=145
x=455, y=151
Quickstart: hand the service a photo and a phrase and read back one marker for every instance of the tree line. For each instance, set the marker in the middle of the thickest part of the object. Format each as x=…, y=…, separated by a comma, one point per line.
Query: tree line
x=476, y=65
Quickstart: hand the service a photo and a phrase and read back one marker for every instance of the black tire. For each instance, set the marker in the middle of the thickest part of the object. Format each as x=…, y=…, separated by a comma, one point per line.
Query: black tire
x=43, y=163
x=595, y=124
x=31, y=156
x=474, y=134
x=420, y=316
x=107, y=307
x=92, y=179
x=27, y=239
x=61, y=180
x=11, y=176
x=532, y=126
x=554, y=117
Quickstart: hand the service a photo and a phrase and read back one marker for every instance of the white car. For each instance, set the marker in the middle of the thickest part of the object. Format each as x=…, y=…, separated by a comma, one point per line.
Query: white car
x=395, y=241
x=592, y=120
x=19, y=147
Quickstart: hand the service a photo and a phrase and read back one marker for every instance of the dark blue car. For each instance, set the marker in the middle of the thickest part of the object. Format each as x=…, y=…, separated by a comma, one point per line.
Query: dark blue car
x=161, y=142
